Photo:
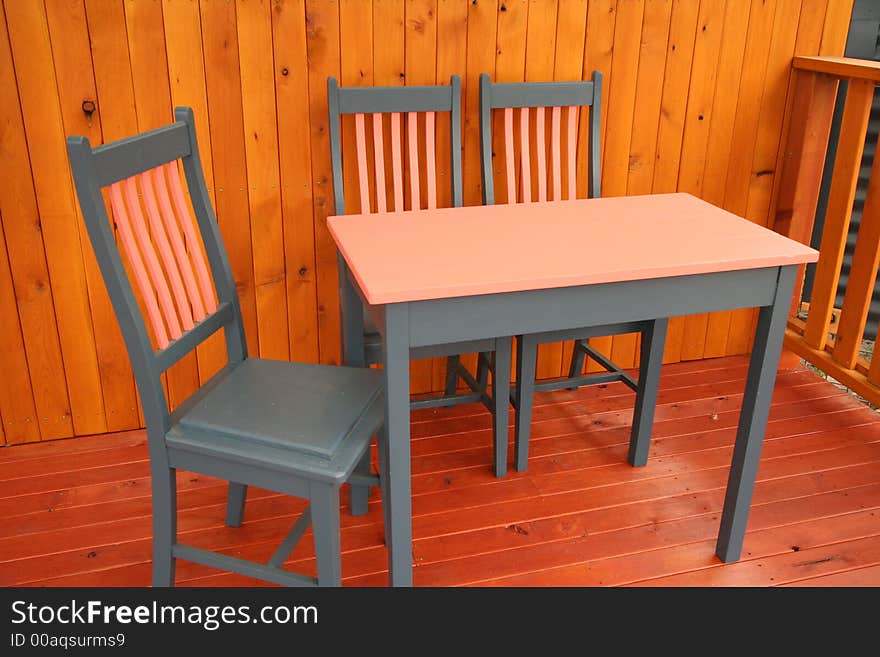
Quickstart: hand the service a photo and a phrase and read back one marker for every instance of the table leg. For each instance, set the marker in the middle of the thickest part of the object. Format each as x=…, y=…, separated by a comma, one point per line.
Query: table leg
x=753, y=417
x=353, y=355
x=395, y=345
x=651, y=358
x=501, y=400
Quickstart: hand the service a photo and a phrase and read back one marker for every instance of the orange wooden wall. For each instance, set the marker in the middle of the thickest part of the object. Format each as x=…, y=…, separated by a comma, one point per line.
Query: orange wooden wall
x=696, y=95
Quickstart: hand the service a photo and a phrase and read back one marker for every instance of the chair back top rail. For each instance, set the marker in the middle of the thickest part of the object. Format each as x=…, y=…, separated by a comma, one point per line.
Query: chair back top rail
x=126, y=157
x=163, y=248
x=850, y=68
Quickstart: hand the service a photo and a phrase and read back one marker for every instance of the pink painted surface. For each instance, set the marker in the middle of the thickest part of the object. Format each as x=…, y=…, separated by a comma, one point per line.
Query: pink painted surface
x=541, y=153
x=379, y=158
x=572, y=151
x=173, y=229
x=525, y=167
x=508, y=155
x=412, y=119
x=403, y=256
x=430, y=160
x=126, y=236
x=363, y=182
x=187, y=222
x=139, y=226
x=396, y=161
x=160, y=239
x=556, y=139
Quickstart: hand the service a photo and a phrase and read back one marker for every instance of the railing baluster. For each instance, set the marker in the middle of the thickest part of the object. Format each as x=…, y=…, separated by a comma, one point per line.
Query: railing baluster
x=860, y=286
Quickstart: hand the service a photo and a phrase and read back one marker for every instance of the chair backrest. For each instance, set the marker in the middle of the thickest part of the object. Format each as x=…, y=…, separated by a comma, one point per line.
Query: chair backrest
x=163, y=248
x=539, y=96
x=412, y=101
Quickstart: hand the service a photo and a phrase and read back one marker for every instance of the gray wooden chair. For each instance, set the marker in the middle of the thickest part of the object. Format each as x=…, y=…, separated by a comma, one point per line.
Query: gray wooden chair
x=295, y=428
x=382, y=191
x=557, y=180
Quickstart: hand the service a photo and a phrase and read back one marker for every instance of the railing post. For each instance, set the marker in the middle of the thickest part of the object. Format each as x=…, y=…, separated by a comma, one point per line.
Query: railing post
x=802, y=165
x=847, y=163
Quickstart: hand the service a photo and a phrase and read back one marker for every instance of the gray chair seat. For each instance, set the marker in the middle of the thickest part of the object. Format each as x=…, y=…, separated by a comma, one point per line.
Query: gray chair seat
x=295, y=417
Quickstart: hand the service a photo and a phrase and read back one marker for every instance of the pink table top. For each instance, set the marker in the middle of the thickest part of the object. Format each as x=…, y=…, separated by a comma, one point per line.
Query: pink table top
x=452, y=252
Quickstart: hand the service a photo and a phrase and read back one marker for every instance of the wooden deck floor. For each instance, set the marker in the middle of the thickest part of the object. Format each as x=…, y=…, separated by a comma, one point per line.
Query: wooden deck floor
x=77, y=512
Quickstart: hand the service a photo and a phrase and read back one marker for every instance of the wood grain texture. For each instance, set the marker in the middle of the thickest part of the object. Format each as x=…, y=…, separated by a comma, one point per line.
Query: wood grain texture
x=255, y=72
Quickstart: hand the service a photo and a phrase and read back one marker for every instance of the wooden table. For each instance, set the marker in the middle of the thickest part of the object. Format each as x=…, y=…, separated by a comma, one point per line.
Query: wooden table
x=451, y=275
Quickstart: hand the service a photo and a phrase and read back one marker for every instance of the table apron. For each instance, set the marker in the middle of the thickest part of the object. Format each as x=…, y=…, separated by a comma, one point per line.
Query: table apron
x=460, y=319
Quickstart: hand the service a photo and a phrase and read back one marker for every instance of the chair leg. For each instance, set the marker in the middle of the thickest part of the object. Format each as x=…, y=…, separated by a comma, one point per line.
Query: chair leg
x=359, y=494
x=235, y=504
x=501, y=400
x=651, y=355
x=451, y=374
x=483, y=371
x=325, y=530
x=526, y=360
x=382, y=443
x=577, y=361
x=164, y=483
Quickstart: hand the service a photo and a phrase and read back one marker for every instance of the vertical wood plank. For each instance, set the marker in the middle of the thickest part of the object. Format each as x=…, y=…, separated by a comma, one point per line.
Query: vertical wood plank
x=113, y=80
x=17, y=410
x=226, y=124
x=186, y=76
x=32, y=55
x=294, y=150
x=649, y=93
x=69, y=35
x=847, y=164
x=836, y=27
x=720, y=142
x=263, y=176
x=388, y=71
x=707, y=45
x=322, y=45
x=620, y=106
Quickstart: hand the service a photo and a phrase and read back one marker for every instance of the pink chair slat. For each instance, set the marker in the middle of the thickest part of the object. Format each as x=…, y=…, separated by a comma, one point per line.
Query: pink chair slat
x=160, y=239
x=526, y=179
x=172, y=227
x=363, y=182
x=126, y=235
x=396, y=161
x=541, y=146
x=412, y=119
x=187, y=222
x=572, y=151
x=556, y=153
x=157, y=277
x=379, y=161
x=508, y=155
x=430, y=160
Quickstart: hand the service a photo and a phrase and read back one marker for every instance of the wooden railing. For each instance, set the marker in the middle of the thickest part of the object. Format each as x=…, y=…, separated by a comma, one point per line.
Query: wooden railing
x=830, y=338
